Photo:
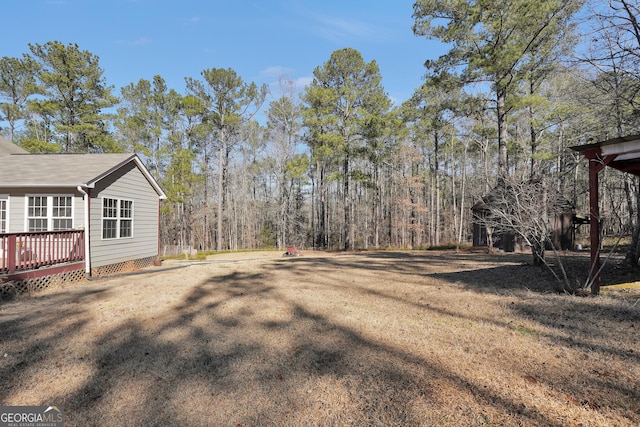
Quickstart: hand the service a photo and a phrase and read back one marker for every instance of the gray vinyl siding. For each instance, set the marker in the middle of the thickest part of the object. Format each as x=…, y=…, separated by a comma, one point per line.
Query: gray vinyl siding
x=16, y=212
x=17, y=205
x=127, y=183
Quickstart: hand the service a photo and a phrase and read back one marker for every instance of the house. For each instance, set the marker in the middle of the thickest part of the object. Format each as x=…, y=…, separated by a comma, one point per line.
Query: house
x=98, y=211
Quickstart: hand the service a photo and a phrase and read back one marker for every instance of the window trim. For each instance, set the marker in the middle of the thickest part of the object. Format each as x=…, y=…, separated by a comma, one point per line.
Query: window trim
x=119, y=219
x=49, y=211
x=5, y=199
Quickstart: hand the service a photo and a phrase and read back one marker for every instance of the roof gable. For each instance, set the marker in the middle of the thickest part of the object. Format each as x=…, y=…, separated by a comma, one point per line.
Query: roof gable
x=8, y=147
x=66, y=170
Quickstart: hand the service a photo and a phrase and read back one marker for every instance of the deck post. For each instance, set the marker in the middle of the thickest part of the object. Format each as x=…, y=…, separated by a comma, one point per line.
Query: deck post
x=11, y=253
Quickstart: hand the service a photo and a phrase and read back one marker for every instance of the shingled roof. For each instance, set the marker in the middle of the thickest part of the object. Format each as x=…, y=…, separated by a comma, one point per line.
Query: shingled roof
x=7, y=147
x=22, y=169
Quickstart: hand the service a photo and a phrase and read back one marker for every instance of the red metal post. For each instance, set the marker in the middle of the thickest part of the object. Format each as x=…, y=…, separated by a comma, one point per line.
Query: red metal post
x=594, y=223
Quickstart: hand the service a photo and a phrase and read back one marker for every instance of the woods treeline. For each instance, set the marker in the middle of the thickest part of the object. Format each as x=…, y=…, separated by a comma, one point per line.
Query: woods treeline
x=338, y=165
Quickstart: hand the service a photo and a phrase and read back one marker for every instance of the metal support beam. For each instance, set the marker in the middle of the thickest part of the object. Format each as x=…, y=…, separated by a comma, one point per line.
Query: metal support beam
x=596, y=164
x=594, y=223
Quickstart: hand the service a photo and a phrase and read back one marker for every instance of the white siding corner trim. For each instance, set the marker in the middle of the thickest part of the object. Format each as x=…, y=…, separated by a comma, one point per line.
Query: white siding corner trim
x=87, y=231
x=4, y=213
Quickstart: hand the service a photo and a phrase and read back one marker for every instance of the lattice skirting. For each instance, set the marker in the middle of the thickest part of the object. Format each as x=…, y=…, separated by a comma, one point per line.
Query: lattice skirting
x=122, y=267
x=13, y=288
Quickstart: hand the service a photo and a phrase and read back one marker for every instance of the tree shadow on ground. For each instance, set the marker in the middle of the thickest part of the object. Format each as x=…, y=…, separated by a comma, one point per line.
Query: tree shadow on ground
x=202, y=355
x=514, y=278
x=480, y=272
x=235, y=350
x=568, y=321
x=41, y=327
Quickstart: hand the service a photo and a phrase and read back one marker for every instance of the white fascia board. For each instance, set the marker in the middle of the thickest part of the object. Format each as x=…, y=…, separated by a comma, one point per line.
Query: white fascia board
x=626, y=147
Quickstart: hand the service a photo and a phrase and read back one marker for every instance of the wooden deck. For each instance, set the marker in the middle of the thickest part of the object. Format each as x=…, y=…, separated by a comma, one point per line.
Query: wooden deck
x=24, y=252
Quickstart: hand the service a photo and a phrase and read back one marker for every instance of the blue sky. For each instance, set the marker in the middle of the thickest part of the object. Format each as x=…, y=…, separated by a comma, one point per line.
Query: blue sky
x=260, y=40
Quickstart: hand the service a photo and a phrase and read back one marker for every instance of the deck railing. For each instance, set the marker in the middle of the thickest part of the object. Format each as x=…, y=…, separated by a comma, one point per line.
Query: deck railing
x=29, y=250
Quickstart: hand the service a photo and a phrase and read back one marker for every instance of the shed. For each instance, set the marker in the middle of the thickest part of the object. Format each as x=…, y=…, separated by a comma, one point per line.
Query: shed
x=561, y=219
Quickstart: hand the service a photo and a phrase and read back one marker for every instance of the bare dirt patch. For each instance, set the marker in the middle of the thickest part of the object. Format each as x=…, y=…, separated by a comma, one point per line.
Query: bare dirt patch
x=374, y=338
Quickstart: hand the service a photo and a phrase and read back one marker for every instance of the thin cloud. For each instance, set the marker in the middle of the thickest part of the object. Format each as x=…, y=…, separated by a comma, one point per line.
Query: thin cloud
x=140, y=41
x=332, y=27
x=276, y=71
x=193, y=20
x=303, y=82
x=338, y=29
x=298, y=84
x=283, y=75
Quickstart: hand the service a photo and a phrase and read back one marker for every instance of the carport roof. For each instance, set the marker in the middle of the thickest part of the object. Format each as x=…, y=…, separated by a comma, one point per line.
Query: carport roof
x=621, y=153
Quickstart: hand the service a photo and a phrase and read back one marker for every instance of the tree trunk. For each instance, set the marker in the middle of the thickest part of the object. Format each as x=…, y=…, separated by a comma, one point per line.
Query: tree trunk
x=462, y=193
x=503, y=168
x=413, y=201
x=220, y=195
x=346, y=197
x=205, y=220
x=437, y=192
x=321, y=237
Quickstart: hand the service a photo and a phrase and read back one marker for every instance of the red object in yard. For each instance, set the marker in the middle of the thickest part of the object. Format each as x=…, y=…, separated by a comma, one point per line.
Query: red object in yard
x=291, y=251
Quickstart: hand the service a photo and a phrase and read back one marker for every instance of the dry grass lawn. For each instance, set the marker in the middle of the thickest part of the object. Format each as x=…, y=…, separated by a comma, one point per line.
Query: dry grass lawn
x=372, y=339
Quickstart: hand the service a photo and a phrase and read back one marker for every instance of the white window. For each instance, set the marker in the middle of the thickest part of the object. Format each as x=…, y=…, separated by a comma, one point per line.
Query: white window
x=117, y=218
x=4, y=214
x=49, y=213
x=126, y=218
x=62, y=216
x=37, y=213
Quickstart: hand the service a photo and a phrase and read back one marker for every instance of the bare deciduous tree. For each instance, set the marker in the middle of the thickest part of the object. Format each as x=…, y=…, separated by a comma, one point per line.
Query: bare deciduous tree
x=525, y=209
